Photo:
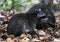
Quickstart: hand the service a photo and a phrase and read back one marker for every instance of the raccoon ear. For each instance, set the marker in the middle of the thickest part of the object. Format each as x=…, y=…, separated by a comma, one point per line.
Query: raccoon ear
x=37, y=11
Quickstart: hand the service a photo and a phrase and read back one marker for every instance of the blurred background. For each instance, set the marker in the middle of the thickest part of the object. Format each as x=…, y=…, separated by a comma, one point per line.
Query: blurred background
x=18, y=5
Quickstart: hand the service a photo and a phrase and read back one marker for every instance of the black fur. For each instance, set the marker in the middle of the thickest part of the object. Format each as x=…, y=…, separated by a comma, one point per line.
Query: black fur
x=49, y=14
x=27, y=22
x=22, y=23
